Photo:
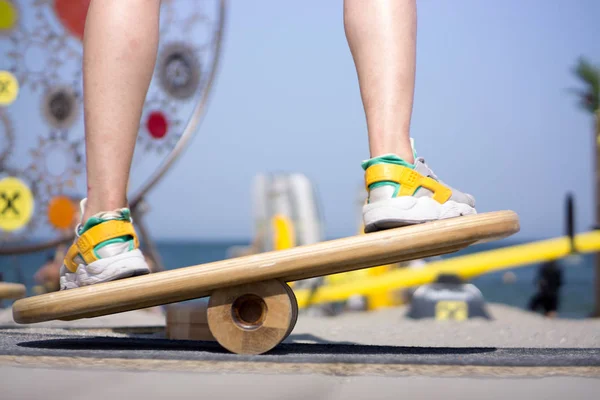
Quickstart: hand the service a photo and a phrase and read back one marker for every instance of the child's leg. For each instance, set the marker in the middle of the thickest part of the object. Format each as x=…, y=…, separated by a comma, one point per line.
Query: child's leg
x=120, y=46
x=381, y=35
x=402, y=188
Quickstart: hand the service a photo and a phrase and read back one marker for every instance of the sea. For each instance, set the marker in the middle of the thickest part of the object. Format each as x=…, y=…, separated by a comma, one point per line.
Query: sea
x=576, y=296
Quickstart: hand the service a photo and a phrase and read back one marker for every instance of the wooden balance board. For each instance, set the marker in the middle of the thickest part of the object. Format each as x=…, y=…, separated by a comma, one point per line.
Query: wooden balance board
x=251, y=308
x=10, y=291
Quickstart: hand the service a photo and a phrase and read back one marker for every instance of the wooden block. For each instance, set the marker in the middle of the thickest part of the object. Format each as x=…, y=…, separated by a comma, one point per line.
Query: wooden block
x=188, y=322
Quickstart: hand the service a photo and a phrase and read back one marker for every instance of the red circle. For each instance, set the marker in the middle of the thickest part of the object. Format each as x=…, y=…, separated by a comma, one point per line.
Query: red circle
x=72, y=14
x=157, y=125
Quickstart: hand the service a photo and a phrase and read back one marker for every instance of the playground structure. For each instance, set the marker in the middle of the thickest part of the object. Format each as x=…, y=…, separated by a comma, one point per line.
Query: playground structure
x=41, y=121
x=286, y=214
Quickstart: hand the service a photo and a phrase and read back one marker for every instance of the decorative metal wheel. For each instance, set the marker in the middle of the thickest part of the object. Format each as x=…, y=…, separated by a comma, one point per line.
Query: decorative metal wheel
x=7, y=137
x=42, y=131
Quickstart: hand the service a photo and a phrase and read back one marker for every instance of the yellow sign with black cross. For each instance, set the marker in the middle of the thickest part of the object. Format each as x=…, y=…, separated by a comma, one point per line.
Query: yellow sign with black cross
x=9, y=88
x=16, y=204
x=451, y=309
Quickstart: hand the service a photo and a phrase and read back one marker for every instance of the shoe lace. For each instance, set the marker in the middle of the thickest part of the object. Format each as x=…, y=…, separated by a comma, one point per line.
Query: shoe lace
x=431, y=174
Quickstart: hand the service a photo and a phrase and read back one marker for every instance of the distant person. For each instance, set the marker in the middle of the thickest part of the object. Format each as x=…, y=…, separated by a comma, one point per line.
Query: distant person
x=47, y=278
x=509, y=277
x=548, y=282
x=120, y=46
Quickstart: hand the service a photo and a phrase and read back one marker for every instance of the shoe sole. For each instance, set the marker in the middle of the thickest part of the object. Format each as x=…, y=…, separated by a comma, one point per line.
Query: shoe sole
x=121, y=266
x=406, y=210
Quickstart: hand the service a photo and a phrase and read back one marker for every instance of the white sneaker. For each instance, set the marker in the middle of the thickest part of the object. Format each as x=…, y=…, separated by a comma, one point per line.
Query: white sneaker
x=106, y=248
x=400, y=194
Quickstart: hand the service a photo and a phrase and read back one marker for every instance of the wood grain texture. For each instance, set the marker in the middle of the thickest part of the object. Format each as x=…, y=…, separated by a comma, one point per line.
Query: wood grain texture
x=188, y=322
x=265, y=329
x=294, y=303
x=9, y=291
x=328, y=257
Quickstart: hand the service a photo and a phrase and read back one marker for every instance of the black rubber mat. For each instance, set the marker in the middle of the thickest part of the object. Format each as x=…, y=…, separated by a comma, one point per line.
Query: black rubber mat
x=18, y=343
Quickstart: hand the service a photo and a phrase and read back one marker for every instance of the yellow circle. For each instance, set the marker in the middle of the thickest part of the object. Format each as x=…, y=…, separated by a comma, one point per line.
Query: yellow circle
x=16, y=204
x=9, y=88
x=8, y=16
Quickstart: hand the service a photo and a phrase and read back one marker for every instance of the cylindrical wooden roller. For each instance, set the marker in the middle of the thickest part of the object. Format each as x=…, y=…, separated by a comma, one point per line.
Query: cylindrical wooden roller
x=252, y=318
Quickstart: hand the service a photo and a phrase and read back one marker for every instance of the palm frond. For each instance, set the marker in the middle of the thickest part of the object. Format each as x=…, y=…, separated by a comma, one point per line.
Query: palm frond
x=586, y=100
x=589, y=74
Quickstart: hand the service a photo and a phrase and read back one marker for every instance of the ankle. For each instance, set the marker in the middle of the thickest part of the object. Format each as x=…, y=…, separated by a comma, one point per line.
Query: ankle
x=405, y=153
x=95, y=206
x=387, y=159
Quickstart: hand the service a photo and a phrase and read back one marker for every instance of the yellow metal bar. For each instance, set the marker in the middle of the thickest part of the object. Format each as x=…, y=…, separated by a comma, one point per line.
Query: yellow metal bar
x=466, y=267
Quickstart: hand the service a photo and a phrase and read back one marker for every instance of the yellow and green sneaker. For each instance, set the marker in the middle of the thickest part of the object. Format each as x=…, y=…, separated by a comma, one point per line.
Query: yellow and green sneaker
x=106, y=248
x=400, y=194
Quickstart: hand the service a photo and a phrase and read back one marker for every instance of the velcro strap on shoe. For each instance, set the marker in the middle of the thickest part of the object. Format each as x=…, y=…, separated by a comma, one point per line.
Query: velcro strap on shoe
x=408, y=179
x=86, y=243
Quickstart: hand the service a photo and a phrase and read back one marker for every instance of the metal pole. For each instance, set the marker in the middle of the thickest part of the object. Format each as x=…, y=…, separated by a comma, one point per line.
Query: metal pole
x=597, y=161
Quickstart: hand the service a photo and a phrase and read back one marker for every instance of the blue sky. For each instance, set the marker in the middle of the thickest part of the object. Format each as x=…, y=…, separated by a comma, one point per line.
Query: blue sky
x=492, y=115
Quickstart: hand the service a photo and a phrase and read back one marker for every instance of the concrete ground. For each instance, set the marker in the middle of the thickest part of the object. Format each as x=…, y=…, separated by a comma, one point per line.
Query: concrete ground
x=379, y=354
x=51, y=384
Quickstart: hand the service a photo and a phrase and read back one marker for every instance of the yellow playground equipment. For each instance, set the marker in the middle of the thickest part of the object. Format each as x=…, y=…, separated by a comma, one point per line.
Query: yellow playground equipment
x=466, y=267
x=287, y=215
x=373, y=299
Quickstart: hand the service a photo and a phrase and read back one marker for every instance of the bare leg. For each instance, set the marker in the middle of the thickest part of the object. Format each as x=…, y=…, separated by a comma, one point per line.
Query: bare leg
x=120, y=46
x=381, y=35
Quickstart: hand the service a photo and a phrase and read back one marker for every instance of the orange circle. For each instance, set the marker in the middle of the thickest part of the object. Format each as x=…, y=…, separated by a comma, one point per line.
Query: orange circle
x=72, y=15
x=61, y=212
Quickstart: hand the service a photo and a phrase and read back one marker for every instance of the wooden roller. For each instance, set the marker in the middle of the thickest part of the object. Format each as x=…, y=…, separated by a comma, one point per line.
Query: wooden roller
x=294, y=302
x=10, y=291
x=190, y=321
x=252, y=318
